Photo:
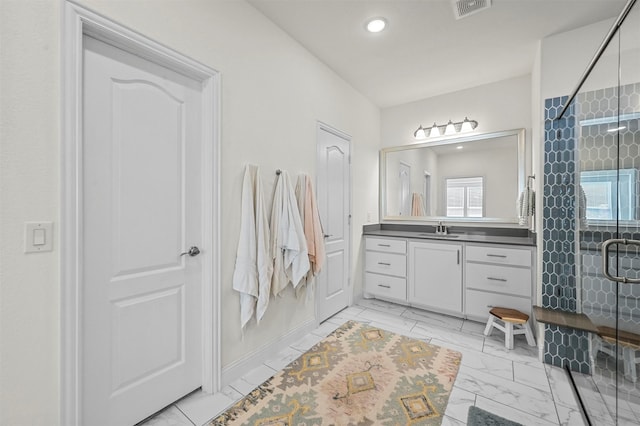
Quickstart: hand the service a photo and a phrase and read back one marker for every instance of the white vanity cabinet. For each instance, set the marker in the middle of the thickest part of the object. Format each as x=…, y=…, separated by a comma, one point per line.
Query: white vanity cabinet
x=435, y=276
x=463, y=278
x=497, y=275
x=386, y=268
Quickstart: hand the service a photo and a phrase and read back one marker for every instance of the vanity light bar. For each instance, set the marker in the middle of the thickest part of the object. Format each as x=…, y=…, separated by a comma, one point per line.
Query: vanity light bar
x=450, y=128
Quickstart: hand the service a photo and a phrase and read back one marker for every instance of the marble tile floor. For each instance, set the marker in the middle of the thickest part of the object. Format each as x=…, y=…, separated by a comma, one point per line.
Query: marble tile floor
x=512, y=384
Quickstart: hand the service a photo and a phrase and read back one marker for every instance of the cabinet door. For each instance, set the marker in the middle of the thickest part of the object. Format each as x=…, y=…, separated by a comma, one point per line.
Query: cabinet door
x=435, y=276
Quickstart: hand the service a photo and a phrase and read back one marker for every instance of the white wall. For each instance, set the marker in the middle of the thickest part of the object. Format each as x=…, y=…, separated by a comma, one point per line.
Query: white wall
x=565, y=56
x=537, y=158
x=497, y=106
x=273, y=93
x=29, y=185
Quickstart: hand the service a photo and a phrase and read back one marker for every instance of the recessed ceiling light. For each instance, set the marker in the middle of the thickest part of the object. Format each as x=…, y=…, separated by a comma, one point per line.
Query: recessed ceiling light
x=376, y=25
x=459, y=147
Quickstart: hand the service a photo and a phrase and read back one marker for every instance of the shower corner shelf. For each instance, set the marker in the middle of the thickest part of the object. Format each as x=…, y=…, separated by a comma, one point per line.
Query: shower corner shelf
x=564, y=319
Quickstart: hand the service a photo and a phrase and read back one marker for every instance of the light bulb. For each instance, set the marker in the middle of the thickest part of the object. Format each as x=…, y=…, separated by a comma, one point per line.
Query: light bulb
x=450, y=129
x=435, y=131
x=420, y=133
x=376, y=25
x=466, y=126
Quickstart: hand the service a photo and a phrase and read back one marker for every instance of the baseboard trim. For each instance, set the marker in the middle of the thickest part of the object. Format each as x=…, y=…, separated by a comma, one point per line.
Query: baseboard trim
x=241, y=366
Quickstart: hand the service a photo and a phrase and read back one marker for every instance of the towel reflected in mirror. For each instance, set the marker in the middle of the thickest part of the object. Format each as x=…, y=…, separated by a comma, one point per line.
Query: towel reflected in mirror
x=417, y=205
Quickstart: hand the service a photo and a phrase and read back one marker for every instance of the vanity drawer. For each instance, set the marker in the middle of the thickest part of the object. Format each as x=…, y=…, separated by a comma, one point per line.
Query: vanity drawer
x=385, y=286
x=386, y=245
x=386, y=263
x=479, y=303
x=502, y=279
x=497, y=254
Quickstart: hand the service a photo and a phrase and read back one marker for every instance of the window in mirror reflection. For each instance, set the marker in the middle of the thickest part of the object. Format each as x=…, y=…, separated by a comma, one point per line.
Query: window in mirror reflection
x=603, y=203
x=465, y=197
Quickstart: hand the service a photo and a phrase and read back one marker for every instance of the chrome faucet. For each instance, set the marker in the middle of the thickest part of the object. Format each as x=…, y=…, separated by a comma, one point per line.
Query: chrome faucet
x=441, y=229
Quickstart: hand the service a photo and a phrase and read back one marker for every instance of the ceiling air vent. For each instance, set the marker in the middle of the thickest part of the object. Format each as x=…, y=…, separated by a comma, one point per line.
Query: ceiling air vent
x=464, y=8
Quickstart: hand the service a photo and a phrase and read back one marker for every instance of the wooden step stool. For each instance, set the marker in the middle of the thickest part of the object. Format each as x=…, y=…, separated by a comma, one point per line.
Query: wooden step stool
x=509, y=318
x=628, y=349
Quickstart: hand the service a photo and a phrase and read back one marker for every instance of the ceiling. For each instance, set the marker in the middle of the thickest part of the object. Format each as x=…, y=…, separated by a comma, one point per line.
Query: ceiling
x=425, y=51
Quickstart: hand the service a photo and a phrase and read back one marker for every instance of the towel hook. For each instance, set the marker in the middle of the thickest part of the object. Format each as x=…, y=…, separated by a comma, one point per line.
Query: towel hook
x=278, y=171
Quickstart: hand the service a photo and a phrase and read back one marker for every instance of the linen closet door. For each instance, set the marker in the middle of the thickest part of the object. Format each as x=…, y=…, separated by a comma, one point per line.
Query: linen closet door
x=141, y=299
x=334, y=195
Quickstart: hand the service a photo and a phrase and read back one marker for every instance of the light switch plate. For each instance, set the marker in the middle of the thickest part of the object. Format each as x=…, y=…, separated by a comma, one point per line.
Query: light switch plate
x=38, y=237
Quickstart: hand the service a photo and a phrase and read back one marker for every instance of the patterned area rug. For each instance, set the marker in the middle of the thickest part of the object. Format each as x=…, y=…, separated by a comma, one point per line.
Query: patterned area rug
x=358, y=375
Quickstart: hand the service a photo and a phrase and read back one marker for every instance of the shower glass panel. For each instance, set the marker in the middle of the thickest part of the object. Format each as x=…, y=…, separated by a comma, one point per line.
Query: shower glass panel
x=607, y=117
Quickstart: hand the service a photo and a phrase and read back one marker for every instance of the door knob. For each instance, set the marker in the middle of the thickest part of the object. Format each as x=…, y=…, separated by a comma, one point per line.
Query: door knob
x=328, y=235
x=193, y=251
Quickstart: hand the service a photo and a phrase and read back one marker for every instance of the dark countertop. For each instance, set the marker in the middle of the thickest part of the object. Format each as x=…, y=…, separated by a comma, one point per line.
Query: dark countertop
x=511, y=236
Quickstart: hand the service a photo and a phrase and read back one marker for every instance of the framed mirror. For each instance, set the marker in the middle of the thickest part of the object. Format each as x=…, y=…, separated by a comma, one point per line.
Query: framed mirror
x=476, y=178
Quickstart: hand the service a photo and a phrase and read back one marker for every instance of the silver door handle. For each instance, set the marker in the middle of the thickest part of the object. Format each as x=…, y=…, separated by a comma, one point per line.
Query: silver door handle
x=193, y=251
x=605, y=259
x=328, y=235
x=497, y=279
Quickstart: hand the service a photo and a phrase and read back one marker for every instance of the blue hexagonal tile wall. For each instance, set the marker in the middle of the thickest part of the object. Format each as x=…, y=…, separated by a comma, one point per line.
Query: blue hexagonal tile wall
x=562, y=345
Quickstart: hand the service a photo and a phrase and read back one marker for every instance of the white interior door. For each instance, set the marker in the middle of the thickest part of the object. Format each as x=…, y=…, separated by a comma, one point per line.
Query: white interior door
x=141, y=207
x=405, y=189
x=334, y=195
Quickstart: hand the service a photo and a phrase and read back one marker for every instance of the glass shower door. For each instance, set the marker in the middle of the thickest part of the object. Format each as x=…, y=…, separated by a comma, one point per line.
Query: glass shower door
x=607, y=113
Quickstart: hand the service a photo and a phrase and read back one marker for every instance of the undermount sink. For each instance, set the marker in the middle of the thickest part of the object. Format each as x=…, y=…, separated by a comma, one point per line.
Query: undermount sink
x=434, y=235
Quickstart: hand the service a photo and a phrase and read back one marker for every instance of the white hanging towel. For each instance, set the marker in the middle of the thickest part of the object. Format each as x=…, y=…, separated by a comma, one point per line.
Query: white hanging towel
x=582, y=208
x=301, y=188
x=264, y=260
x=296, y=255
x=288, y=245
x=279, y=277
x=245, y=275
x=526, y=205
